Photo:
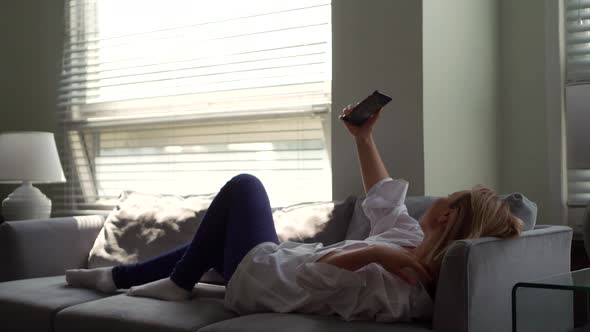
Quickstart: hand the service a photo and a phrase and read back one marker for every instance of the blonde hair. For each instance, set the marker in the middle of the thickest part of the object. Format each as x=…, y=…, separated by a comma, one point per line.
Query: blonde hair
x=480, y=213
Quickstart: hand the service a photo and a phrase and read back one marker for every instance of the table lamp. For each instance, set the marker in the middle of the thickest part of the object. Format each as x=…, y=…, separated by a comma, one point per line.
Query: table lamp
x=28, y=157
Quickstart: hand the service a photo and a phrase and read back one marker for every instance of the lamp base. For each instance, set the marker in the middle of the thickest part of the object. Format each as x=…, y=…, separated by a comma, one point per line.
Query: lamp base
x=26, y=202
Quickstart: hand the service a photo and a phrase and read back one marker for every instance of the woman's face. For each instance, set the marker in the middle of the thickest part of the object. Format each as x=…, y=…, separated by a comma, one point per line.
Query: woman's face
x=442, y=212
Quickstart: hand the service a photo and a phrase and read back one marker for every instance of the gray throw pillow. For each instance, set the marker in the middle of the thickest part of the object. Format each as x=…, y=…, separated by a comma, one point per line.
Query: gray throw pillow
x=417, y=205
x=523, y=208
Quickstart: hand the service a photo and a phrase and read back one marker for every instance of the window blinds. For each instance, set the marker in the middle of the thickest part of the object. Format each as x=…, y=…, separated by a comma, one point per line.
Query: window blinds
x=577, y=93
x=577, y=25
x=178, y=96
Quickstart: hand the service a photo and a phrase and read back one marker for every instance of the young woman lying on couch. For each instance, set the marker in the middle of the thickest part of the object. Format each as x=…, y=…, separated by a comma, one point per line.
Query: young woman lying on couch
x=390, y=276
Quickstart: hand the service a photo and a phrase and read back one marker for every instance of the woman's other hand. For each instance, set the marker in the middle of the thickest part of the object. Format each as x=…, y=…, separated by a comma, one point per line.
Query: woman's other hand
x=403, y=264
x=363, y=131
x=398, y=262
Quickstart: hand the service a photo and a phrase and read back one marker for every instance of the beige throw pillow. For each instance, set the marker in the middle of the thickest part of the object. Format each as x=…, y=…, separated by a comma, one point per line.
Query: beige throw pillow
x=142, y=226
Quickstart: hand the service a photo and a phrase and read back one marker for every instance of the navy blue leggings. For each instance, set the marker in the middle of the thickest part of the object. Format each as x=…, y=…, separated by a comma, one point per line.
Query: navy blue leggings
x=238, y=219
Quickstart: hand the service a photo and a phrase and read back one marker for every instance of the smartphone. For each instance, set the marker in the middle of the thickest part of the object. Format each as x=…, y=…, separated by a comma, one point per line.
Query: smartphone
x=366, y=108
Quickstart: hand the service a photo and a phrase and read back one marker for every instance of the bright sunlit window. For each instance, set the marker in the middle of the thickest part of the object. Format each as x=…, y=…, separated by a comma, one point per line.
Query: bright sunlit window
x=176, y=97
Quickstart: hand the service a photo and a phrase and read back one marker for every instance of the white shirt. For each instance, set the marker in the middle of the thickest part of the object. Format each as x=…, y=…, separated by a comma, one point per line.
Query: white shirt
x=287, y=277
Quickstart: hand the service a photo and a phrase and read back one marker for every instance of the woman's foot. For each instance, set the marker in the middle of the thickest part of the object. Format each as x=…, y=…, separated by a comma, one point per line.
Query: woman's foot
x=163, y=289
x=100, y=279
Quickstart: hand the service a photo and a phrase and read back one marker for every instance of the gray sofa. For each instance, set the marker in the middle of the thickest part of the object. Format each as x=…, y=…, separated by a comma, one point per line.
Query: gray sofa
x=473, y=293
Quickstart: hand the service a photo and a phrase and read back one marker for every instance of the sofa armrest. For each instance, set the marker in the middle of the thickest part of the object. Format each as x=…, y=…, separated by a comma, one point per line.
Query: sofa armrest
x=477, y=276
x=40, y=248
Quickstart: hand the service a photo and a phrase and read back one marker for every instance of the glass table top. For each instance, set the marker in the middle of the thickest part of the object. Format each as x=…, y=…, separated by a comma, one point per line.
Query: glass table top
x=575, y=280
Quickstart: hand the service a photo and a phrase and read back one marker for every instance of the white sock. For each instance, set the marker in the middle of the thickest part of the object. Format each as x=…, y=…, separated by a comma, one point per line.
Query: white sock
x=100, y=279
x=163, y=289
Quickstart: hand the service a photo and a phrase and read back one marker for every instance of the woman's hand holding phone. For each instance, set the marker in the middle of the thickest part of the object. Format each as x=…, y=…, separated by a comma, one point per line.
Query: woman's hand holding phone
x=359, y=132
x=372, y=168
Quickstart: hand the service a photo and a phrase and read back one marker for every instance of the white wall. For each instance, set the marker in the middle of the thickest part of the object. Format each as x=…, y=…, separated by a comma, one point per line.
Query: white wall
x=460, y=94
x=493, y=99
x=530, y=114
x=377, y=44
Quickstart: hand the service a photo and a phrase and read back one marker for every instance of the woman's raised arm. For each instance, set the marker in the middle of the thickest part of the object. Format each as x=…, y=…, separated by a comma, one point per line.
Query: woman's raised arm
x=372, y=168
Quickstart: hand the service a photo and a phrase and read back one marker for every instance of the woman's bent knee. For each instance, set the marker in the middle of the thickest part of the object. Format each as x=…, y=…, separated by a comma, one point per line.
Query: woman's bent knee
x=246, y=181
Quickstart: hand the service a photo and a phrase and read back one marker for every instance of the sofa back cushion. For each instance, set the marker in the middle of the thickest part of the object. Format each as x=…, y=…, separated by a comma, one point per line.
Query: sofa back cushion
x=142, y=226
x=358, y=228
x=520, y=206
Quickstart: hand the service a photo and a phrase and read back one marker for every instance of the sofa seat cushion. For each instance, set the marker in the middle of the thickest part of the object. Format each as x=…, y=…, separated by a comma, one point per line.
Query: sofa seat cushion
x=129, y=314
x=31, y=304
x=273, y=322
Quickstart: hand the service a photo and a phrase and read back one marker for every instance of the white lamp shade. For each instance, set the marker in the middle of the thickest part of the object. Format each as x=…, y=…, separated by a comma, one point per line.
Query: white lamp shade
x=29, y=156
